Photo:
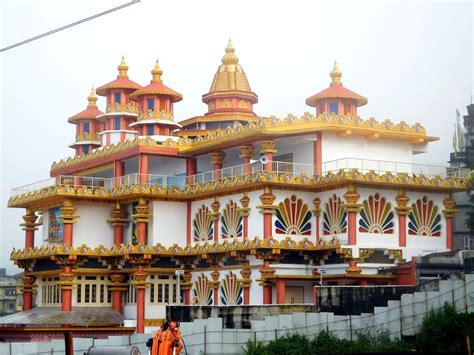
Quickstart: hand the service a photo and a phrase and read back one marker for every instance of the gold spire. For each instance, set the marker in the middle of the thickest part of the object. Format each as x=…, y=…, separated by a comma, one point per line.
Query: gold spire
x=92, y=98
x=156, y=72
x=230, y=57
x=123, y=69
x=336, y=75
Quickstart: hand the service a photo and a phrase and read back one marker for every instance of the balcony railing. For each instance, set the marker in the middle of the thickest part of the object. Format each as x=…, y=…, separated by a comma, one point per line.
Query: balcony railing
x=347, y=164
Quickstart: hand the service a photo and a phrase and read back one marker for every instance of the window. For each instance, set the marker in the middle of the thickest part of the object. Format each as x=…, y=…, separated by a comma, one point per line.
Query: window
x=467, y=242
x=163, y=289
x=85, y=149
x=93, y=290
x=85, y=127
x=50, y=292
x=333, y=107
x=150, y=129
x=131, y=294
x=117, y=123
x=150, y=104
x=117, y=97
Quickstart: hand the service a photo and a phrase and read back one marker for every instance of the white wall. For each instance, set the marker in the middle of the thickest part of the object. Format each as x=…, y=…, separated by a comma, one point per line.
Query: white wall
x=334, y=147
x=92, y=227
x=168, y=223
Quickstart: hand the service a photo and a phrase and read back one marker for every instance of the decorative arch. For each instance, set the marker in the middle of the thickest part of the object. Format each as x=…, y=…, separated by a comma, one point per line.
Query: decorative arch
x=203, y=293
x=203, y=226
x=293, y=217
x=376, y=215
x=424, y=218
x=231, y=221
x=334, y=217
x=231, y=290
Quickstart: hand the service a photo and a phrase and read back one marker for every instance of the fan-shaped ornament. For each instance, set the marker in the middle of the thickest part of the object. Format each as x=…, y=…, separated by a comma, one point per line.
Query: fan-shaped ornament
x=334, y=217
x=424, y=219
x=231, y=291
x=203, y=293
x=293, y=217
x=376, y=216
x=203, y=226
x=231, y=221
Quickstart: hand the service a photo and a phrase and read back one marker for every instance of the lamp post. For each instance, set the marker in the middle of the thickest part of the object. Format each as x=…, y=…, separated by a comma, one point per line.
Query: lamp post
x=178, y=274
x=321, y=272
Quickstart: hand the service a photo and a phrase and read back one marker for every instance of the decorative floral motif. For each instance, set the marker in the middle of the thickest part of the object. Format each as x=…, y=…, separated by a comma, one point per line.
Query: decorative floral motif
x=424, y=219
x=231, y=291
x=376, y=216
x=202, y=291
x=334, y=217
x=203, y=226
x=231, y=221
x=293, y=217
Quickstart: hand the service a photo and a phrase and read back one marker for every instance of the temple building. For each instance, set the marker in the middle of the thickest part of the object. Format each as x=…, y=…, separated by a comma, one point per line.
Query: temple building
x=228, y=207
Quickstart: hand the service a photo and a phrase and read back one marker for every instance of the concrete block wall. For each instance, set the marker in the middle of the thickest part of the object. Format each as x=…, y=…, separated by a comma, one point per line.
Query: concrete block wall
x=208, y=336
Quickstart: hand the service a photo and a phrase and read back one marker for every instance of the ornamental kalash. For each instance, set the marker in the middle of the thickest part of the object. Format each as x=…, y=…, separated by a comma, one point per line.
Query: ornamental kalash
x=227, y=208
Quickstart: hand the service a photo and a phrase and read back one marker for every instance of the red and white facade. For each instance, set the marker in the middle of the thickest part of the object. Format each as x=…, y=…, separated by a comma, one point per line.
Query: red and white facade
x=161, y=213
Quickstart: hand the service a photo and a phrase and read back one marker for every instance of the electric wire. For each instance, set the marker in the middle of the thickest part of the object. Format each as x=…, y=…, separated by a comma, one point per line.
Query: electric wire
x=133, y=2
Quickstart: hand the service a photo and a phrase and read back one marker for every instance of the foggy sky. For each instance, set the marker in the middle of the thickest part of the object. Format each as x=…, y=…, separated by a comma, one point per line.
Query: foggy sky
x=412, y=60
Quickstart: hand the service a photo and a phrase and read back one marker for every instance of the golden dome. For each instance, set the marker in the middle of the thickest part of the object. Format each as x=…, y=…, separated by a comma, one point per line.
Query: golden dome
x=230, y=76
x=123, y=69
x=336, y=75
x=92, y=98
x=156, y=72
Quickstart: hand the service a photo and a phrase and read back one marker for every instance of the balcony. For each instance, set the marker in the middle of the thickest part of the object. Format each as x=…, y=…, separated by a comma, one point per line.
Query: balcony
x=347, y=169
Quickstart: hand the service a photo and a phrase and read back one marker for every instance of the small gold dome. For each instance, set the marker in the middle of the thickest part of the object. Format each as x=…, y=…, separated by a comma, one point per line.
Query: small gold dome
x=123, y=69
x=336, y=75
x=156, y=72
x=230, y=57
x=92, y=98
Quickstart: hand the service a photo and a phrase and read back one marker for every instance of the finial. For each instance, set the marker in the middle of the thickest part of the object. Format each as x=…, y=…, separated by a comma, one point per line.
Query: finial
x=156, y=72
x=123, y=69
x=92, y=98
x=230, y=57
x=336, y=75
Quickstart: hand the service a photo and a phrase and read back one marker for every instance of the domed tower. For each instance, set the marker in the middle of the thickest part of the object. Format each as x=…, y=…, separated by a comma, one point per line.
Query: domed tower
x=336, y=98
x=155, y=107
x=87, y=127
x=229, y=101
x=120, y=111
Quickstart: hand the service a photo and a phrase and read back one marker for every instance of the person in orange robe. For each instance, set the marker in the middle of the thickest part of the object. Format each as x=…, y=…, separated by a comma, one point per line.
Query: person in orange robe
x=158, y=339
x=171, y=344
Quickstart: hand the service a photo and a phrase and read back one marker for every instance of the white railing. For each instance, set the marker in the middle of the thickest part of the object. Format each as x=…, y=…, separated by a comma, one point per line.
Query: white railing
x=347, y=164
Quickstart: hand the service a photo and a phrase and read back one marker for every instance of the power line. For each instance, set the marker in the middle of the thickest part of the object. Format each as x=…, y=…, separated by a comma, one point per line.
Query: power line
x=68, y=26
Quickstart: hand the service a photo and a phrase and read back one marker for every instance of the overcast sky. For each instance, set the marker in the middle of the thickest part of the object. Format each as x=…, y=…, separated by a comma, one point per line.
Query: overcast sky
x=412, y=60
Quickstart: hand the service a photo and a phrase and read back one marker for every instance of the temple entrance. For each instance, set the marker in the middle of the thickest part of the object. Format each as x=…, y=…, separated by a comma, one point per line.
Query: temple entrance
x=294, y=294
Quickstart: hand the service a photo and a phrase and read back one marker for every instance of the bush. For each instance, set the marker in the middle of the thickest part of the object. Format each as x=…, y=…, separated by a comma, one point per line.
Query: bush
x=444, y=331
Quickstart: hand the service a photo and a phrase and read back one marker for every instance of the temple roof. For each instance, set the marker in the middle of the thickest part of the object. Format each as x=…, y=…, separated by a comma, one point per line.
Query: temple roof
x=122, y=81
x=336, y=90
x=230, y=77
x=91, y=112
x=156, y=87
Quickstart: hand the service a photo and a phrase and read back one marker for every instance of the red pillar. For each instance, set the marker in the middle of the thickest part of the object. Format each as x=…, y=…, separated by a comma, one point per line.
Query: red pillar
x=246, y=153
x=247, y=295
x=117, y=288
x=267, y=209
x=402, y=211
x=317, y=214
x=66, y=289
x=140, y=279
x=245, y=282
x=215, y=285
x=119, y=171
x=352, y=208
x=449, y=212
x=191, y=170
x=280, y=291
x=266, y=271
x=186, y=286
x=267, y=294
x=215, y=216
x=28, y=282
x=217, y=161
x=244, y=212
x=268, y=148
x=141, y=218
x=29, y=227
x=318, y=155
x=143, y=168
x=118, y=235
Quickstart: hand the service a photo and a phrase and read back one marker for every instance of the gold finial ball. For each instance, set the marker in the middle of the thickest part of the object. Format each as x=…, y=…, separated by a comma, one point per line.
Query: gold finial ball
x=123, y=68
x=336, y=75
x=92, y=98
x=156, y=72
x=230, y=57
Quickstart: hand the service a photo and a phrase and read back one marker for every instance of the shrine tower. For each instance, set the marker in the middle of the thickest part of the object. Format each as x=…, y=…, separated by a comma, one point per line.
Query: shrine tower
x=87, y=127
x=120, y=111
x=155, y=107
x=336, y=98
